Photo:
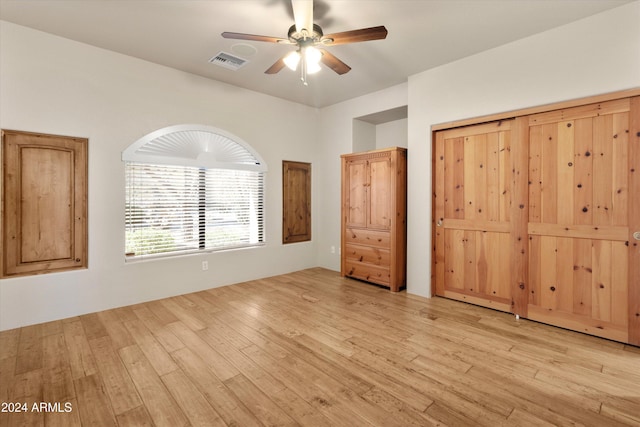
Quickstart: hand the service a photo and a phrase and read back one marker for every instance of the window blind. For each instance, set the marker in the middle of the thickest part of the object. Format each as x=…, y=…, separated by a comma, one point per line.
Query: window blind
x=181, y=209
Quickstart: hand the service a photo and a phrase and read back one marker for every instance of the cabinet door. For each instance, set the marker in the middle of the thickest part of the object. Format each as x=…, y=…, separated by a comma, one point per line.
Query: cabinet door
x=472, y=210
x=580, y=172
x=45, y=195
x=379, y=193
x=355, y=181
x=296, y=201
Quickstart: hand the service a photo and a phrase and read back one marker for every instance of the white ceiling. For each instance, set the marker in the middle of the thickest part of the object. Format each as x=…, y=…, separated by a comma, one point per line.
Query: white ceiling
x=185, y=34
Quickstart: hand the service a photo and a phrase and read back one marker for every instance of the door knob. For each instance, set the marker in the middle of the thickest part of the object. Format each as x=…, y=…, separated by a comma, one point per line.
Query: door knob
x=636, y=235
x=439, y=223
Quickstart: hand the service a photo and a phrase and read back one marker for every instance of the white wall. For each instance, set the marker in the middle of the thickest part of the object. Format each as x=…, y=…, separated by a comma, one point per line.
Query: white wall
x=363, y=136
x=596, y=55
x=393, y=134
x=53, y=85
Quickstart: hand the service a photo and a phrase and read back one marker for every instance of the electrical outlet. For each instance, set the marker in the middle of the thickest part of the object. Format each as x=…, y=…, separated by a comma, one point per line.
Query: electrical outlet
x=333, y=249
x=205, y=265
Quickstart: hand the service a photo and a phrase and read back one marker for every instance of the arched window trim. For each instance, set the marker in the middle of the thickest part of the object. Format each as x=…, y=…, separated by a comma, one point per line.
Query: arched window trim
x=195, y=145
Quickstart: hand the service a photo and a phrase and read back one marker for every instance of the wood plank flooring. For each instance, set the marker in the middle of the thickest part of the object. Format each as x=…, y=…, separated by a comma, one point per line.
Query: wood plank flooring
x=311, y=348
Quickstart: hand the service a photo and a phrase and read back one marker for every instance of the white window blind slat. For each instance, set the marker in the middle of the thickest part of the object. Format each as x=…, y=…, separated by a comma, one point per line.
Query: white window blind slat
x=178, y=209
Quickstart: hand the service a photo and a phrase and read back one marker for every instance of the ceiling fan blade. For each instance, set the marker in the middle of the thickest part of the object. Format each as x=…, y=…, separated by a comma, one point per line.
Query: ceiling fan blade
x=334, y=63
x=303, y=15
x=354, y=36
x=276, y=67
x=243, y=36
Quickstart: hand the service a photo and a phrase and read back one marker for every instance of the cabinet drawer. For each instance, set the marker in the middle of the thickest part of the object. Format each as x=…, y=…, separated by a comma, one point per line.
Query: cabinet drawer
x=368, y=272
x=378, y=239
x=367, y=254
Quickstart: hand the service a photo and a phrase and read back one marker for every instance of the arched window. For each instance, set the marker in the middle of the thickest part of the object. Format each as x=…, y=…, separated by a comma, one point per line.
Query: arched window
x=192, y=188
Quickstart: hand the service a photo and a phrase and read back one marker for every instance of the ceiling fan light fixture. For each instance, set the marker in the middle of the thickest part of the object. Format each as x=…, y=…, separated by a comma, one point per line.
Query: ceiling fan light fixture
x=292, y=60
x=313, y=68
x=312, y=58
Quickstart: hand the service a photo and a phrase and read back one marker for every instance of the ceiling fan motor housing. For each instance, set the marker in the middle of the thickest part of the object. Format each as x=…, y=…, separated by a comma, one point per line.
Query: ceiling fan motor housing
x=302, y=38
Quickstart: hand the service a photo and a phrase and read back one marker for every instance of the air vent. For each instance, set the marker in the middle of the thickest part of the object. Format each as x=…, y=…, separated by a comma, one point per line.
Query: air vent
x=229, y=61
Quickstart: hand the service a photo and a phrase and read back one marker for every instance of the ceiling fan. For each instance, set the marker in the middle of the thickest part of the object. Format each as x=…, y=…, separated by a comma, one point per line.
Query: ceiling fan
x=310, y=40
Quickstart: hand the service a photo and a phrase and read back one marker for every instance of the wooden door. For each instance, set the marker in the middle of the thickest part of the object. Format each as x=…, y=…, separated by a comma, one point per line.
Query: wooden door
x=379, y=192
x=472, y=171
x=579, y=218
x=45, y=203
x=296, y=202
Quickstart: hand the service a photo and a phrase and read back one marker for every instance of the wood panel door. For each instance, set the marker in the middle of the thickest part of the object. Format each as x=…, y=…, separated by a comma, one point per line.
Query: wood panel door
x=580, y=173
x=472, y=209
x=296, y=202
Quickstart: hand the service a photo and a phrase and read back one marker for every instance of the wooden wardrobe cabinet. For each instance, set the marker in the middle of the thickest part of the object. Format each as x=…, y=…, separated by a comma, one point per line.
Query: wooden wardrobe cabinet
x=374, y=216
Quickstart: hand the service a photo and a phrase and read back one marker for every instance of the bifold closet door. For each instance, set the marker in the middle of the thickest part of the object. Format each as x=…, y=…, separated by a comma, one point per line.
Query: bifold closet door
x=472, y=213
x=580, y=218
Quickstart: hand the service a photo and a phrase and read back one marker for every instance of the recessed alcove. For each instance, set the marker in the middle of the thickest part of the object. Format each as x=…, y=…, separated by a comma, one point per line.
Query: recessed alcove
x=381, y=130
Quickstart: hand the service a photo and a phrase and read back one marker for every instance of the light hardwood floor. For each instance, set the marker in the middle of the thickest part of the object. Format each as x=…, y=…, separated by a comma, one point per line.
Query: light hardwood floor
x=311, y=348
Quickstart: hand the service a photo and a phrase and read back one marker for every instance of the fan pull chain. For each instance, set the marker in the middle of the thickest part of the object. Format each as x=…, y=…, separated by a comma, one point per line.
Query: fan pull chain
x=303, y=71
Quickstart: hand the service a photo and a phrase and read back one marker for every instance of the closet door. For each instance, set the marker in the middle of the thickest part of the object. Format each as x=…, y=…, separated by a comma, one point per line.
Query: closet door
x=473, y=253
x=580, y=176
x=540, y=216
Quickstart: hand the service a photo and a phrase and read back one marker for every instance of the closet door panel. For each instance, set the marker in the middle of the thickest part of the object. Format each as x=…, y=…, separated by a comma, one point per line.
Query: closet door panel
x=579, y=219
x=633, y=166
x=472, y=211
